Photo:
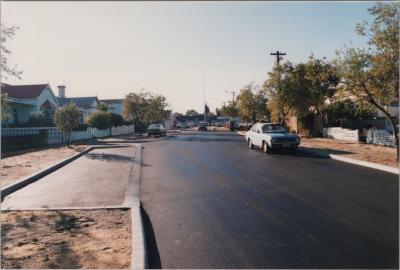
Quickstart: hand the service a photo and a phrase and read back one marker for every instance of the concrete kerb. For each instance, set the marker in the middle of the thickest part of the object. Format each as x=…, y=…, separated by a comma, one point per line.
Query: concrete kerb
x=353, y=161
x=34, y=177
x=132, y=200
x=348, y=160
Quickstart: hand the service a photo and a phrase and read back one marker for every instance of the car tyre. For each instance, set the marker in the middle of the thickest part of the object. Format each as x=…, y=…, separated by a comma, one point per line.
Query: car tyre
x=266, y=149
x=251, y=145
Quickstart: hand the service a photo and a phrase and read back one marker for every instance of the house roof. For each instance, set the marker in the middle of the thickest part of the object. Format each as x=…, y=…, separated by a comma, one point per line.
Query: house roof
x=47, y=105
x=79, y=101
x=111, y=101
x=23, y=91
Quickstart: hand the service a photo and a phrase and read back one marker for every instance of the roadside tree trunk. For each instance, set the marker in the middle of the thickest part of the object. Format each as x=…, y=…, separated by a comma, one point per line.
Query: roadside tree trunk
x=395, y=132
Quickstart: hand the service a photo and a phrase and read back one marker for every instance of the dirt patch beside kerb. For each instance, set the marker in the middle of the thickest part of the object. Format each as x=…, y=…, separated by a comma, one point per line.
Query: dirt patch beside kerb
x=66, y=239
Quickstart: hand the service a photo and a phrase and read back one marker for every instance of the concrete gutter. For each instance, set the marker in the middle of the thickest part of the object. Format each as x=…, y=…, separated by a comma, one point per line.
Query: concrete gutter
x=348, y=160
x=36, y=176
x=132, y=200
x=353, y=161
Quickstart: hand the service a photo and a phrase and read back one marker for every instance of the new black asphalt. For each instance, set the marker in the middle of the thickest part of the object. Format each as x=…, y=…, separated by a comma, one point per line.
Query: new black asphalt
x=210, y=202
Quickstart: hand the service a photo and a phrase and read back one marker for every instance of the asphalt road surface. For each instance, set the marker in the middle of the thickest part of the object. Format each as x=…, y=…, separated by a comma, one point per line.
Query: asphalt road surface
x=210, y=202
x=98, y=178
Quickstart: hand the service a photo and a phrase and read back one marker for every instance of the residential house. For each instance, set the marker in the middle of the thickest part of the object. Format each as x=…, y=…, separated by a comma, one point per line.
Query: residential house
x=27, y=99
x=114, y=105
x=86, y=105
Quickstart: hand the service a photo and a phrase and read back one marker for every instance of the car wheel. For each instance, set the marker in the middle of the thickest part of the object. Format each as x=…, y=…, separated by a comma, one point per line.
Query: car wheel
x=266, y=149
x=251, y=145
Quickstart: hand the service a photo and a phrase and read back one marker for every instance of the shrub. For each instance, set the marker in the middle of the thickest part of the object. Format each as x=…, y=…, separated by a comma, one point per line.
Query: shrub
x=116, y=120
x=67, y=118
x=99, y=120
x=39, y=119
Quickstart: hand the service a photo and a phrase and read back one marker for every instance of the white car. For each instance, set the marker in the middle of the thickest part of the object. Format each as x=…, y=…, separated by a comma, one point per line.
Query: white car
x=269, y=136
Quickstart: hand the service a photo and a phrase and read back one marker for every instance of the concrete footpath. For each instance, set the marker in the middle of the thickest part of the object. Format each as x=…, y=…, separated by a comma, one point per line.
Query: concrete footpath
x=104, y=178
x=98, y=178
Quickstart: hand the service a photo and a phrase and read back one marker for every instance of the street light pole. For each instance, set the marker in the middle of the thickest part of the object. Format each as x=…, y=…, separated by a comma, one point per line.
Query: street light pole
x=204, y=98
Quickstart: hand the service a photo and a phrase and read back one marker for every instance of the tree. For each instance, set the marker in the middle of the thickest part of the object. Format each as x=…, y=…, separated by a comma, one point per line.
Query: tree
x=245, y=103
x=99, y=120
x=156, y=109
x=252, y=104
x=372, y=74
x=134, y=108
x=191, y=113
x=116, y=120
x=5, y=69
x=67, y=118
x=102, y=107
x=281, y=92
x=5, y=107
x=295, y=89
x=347, y=114
x=145, y=108
x=320, y=78
x=229, y=110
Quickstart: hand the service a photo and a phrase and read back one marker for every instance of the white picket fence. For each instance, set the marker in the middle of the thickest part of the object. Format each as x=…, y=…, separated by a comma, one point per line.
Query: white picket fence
x=339, y=133
x=381, y=137
x=55, y=135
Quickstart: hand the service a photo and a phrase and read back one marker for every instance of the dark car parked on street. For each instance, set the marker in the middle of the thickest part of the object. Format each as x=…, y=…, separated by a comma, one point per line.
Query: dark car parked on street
x=156, y=129
x=202, y=126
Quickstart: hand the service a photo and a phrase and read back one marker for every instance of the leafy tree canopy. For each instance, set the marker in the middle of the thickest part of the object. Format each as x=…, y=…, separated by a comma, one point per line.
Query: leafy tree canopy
x=99, y=119
x=67, y=118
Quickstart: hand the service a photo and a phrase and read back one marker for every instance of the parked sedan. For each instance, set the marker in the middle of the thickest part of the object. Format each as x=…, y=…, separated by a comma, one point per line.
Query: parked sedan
x=202, y=126
x=269, y=136
x=156, y=129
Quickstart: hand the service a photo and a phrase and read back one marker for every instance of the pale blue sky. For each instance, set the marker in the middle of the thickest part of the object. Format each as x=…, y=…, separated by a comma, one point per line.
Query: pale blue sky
x=109, y=48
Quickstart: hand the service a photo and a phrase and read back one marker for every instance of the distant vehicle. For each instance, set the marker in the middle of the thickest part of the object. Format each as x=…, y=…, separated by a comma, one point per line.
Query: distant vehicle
x=156, y=129
x=233, y=124
x=191, y=124
x=180, y=125
x=221, y=121
x=269, y=136
x=202, y=126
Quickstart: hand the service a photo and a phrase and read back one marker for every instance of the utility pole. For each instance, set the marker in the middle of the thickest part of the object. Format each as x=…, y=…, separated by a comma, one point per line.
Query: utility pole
x=233, y=95
x=278, y=55
x=233, y=101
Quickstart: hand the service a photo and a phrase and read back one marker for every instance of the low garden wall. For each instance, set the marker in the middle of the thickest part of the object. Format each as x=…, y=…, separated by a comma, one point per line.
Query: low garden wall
x=339, y=133
x=21, y=138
